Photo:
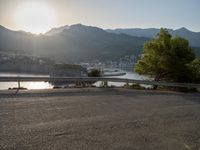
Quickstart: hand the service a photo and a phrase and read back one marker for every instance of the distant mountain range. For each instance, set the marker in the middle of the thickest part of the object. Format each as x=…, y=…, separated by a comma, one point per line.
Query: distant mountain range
x=192, y=37
x=57, y=30
x=77, y=43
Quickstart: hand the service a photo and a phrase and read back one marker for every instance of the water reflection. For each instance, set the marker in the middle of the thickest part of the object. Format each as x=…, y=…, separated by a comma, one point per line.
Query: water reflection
x=28, y=85
x=47, y=85
x=128, y=75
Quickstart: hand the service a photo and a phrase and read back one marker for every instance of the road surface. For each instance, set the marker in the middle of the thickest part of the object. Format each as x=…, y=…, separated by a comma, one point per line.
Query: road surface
x=99, y=119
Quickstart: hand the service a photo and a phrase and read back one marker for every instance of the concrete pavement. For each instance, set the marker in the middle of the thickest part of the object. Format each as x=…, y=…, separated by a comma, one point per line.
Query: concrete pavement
x=99, y=119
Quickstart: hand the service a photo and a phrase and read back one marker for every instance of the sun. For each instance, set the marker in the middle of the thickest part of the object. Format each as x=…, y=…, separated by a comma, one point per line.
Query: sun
x=35, y=17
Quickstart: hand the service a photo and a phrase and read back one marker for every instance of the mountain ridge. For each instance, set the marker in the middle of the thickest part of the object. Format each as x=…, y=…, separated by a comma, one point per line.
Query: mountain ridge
x=192, y=37
x=74, y=44
x=78, y=42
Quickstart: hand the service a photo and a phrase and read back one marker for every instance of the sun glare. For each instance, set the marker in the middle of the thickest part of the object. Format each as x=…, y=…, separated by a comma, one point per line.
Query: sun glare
x=35, y=17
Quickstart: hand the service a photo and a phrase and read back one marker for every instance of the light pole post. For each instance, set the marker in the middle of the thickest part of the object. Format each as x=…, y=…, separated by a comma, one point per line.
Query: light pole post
x=18, y=84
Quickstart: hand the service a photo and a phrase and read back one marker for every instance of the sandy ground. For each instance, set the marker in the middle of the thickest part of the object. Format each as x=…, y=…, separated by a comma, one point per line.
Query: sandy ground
x=99, y=119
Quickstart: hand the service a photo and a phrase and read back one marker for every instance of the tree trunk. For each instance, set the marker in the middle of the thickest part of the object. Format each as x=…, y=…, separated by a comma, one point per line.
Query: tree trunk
x=157, y=78
x=155, y=87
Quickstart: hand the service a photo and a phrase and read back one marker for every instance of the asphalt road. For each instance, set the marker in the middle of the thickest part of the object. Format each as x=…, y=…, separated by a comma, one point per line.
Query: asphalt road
x=99, y=119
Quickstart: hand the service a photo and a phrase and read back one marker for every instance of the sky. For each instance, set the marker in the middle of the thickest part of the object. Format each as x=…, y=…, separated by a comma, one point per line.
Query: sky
x=41, y=15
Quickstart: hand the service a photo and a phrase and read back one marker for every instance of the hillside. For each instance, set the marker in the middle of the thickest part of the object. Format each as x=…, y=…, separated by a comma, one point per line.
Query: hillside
x=75, y=44
x=78, y=43
x=192, y=37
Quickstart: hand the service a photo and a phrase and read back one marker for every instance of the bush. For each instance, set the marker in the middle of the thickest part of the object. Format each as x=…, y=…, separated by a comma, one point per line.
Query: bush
x=136, y=86
x=94, y=73
x=104, y=84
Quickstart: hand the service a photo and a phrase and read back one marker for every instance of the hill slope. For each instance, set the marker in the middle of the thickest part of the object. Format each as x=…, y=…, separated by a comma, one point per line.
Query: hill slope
x=78, y=43
x=192, y=37
x=74, y=44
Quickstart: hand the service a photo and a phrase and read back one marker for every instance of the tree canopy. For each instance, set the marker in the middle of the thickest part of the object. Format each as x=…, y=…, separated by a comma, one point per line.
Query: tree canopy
x=194, y=69
x=168, y=58
x=94, y=73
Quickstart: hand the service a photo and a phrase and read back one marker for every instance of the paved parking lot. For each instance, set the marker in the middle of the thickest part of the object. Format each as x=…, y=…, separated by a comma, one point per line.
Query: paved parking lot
x=99, y=119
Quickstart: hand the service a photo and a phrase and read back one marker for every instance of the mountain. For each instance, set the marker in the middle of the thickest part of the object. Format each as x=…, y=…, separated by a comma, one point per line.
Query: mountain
x=57, y=30
x=150, y=32
x=74, y=43
x=192, y=37
x=78, y=43
x=15, y=40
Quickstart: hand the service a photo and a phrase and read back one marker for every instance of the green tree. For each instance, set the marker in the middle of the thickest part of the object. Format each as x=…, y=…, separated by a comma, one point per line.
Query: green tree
x=94, y=73
x=194, y=68
x=166, y=58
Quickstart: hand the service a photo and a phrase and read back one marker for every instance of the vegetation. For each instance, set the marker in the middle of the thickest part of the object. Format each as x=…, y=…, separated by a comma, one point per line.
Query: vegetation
x=24, y=63
x=79, y=43
x=104, y=84
x=94, y=73
x=169, y=58
x=194, y=68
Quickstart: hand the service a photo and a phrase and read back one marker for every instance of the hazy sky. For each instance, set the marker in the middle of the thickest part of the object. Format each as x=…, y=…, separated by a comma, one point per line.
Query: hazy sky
x=103, y=13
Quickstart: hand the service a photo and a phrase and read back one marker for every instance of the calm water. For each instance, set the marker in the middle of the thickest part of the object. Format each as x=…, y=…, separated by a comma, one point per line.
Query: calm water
x=28, y=85
x=46, y=85
x=129, y=75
